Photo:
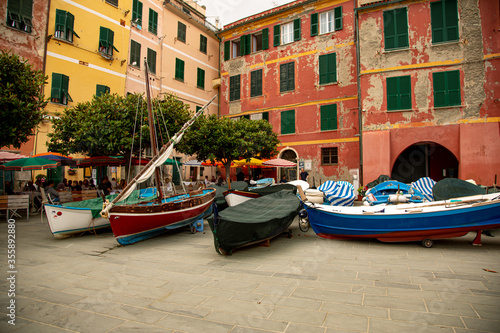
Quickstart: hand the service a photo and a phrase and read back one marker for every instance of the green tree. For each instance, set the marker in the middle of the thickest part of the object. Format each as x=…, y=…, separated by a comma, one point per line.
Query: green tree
x=225, y=140
x=22, y=101
x=105, y=125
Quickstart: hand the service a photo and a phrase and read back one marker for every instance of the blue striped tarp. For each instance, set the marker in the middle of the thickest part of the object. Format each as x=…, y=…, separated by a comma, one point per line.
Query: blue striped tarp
x=338, y=193
x=424, y=185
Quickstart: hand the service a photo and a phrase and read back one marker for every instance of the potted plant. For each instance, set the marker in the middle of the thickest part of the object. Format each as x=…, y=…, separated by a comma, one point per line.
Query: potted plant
x=361, y=192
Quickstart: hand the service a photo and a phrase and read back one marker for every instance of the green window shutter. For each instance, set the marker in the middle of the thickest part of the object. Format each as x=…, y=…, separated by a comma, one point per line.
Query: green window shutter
x=296, y=29
x=101, y=90
x=287, y=76
x=314, y=24
x=70, y=22
x=338, y=18
x=203, y=44
x=60, y=23
x=227, y=50
x=328, y=117
x=151, y=58
x=200, y=81
x=55, y=92
x=135, y=54
x=65, y=91
x=248, y=44
x=153, y=21
x=27, y=13
x=198, y=108
x=396, y=28
x=389, y=29
x=444, y=21
x=256, y=83
x=181, y=32
x=401, y=27
x=405, y=92
x=265, y=116
x=179, y=69
x=451, y=19
x=439, y=84
x=265, y=39
x=242, y=46
x=137, y=12
x=392, y=93
x=277, y=35
x=453, y=78
x=288, y=122
x=328, y=68
x=234, y=88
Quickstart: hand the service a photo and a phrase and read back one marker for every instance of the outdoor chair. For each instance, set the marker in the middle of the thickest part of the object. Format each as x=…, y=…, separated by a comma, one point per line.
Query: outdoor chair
x=17, y=202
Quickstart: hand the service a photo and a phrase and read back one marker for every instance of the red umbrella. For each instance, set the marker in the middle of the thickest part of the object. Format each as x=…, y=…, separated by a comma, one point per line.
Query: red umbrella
x=110, y=161
x=279, y=162
x=7, y=156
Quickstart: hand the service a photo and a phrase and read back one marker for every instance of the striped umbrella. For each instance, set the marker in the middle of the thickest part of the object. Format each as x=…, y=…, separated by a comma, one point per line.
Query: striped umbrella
x=30, y=163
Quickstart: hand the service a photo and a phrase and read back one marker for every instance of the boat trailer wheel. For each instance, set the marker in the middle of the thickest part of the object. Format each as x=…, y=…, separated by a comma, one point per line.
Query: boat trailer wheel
x=427, y=243
x=303, y=224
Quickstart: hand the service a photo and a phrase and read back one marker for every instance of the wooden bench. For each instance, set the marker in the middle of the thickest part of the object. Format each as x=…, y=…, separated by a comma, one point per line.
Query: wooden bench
x=65, y=196
x=4, y=203
x=15, y=202
x=84, y=195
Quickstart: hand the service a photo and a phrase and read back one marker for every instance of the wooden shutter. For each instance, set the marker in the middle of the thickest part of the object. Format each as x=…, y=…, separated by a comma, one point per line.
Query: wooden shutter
x=203, y=44
x=151, y=57
x=296, y=29
x=265, y=39
x=338, y=18
x=248, y=44
x=453, y=80
x=314, y=24
x=179, y=69
x=328, y=117
x=437, y=22
x=135, y=54
x=153, y=21
x=451, y=19
x=277, y=35
x=70, y=22
x=405, y=92
x=200, y=81
x=227, y=50
x=55, y=92
x=439, y=84
x=389, y=29
x=392, y=93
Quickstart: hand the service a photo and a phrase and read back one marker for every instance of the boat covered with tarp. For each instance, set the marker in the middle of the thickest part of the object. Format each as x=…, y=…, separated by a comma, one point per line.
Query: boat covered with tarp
x=235, y=197
x=253, y=221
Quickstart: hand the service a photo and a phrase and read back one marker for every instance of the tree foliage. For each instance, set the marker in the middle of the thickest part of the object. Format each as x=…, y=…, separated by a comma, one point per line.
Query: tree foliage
x=105, y=125
x=22, y=101
x=225, y=140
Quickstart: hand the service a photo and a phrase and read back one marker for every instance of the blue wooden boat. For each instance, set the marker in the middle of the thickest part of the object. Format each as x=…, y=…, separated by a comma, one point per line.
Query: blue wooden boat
x=392, y=191
x=407, y=222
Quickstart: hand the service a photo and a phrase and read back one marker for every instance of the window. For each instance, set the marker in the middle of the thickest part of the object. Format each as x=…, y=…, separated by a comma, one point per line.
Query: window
x=257, y=42
x=101, y=90
x=59, y=91
x=287, y=33
x=227, y=50
x=256, y=83
x=236, y=48
x=260, y=116
x=153, y=22
x=20, y=14
x=446, y=88
x=112, y=2
x=179, y=69
x=200, y=79
x=328, y=68
x=288, y=122
x=329, y=156
x=328, y=21
x=287, y=76
x=137, y=12
x=64, y=25
x=399, y=93
x=328, y=117
x=203, y=44
x=444, y=21
x=135, y=54
x=151, y=59
x=245, y=44
x=234, y=88
x=106, y=46
x=181, y=32
x=396, y=28
x=198, y=108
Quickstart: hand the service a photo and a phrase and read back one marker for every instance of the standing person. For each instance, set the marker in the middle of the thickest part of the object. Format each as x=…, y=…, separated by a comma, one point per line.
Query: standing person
x=113, y=183
x=283, y=179
x=304, y=175
x=206, y=181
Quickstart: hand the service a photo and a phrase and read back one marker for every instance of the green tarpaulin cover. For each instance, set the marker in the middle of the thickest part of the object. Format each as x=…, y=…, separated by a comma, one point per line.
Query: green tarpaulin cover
x=449, y=188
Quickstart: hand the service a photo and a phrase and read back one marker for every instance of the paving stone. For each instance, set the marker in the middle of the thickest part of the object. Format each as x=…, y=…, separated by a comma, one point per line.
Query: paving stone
x=425, y=317
x=301, y=328
x=247, y=321
x=135, y=327
x=255, y=309
x=392, y=326
x=367, y=311
x=142, y=315
x=453, y=308
x=44, y=312
x=394, y=302
x=327, y=295
x=482, y=324
x=298, y=316
x=178, y=309
x=186, y=324
x=347, y=322
x=84, y=321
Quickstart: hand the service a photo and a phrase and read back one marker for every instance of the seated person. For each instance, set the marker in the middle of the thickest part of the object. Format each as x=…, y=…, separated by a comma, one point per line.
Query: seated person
x=8, y=188
x=105, y=186
x=51, y=192
x=76, y=186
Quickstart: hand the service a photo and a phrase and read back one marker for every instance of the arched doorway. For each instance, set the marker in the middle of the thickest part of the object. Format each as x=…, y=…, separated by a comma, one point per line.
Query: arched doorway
x=426, y=159
x=289, y=155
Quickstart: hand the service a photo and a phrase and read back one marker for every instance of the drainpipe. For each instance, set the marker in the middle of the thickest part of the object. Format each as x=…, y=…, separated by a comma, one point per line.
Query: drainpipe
x=360, y=103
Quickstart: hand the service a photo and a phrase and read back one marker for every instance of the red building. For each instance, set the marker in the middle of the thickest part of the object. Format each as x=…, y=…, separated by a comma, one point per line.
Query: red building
x=429, y=89
x=424, y=74
x=295, y=65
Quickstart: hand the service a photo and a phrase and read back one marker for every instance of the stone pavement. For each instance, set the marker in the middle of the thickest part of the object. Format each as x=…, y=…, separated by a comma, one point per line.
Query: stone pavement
x=178, y=283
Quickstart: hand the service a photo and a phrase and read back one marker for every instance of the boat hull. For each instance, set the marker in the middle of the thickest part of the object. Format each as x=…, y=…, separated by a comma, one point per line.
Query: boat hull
x=236, y=197
x=401, y=223
x=67, y=221
x=253, y=221
x=134, y=223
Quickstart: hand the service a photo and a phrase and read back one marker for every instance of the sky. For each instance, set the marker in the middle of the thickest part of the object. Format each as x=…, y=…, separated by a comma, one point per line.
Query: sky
x=229, y=11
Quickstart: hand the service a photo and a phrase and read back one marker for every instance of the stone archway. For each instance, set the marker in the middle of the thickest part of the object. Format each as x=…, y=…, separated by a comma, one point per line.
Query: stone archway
x=425, y=159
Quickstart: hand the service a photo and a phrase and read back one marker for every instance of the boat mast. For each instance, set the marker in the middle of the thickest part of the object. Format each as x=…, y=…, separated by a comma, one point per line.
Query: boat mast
x=152, y=135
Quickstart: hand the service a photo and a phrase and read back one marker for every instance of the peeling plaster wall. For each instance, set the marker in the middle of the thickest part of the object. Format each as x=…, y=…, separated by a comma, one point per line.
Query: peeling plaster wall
x=475, y=55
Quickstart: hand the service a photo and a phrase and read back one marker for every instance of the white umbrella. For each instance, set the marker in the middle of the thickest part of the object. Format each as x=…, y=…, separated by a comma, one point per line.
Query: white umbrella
x=192, y=163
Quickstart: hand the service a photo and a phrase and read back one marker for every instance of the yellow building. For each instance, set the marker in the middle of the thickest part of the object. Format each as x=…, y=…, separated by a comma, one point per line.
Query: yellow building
x=87, y=48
